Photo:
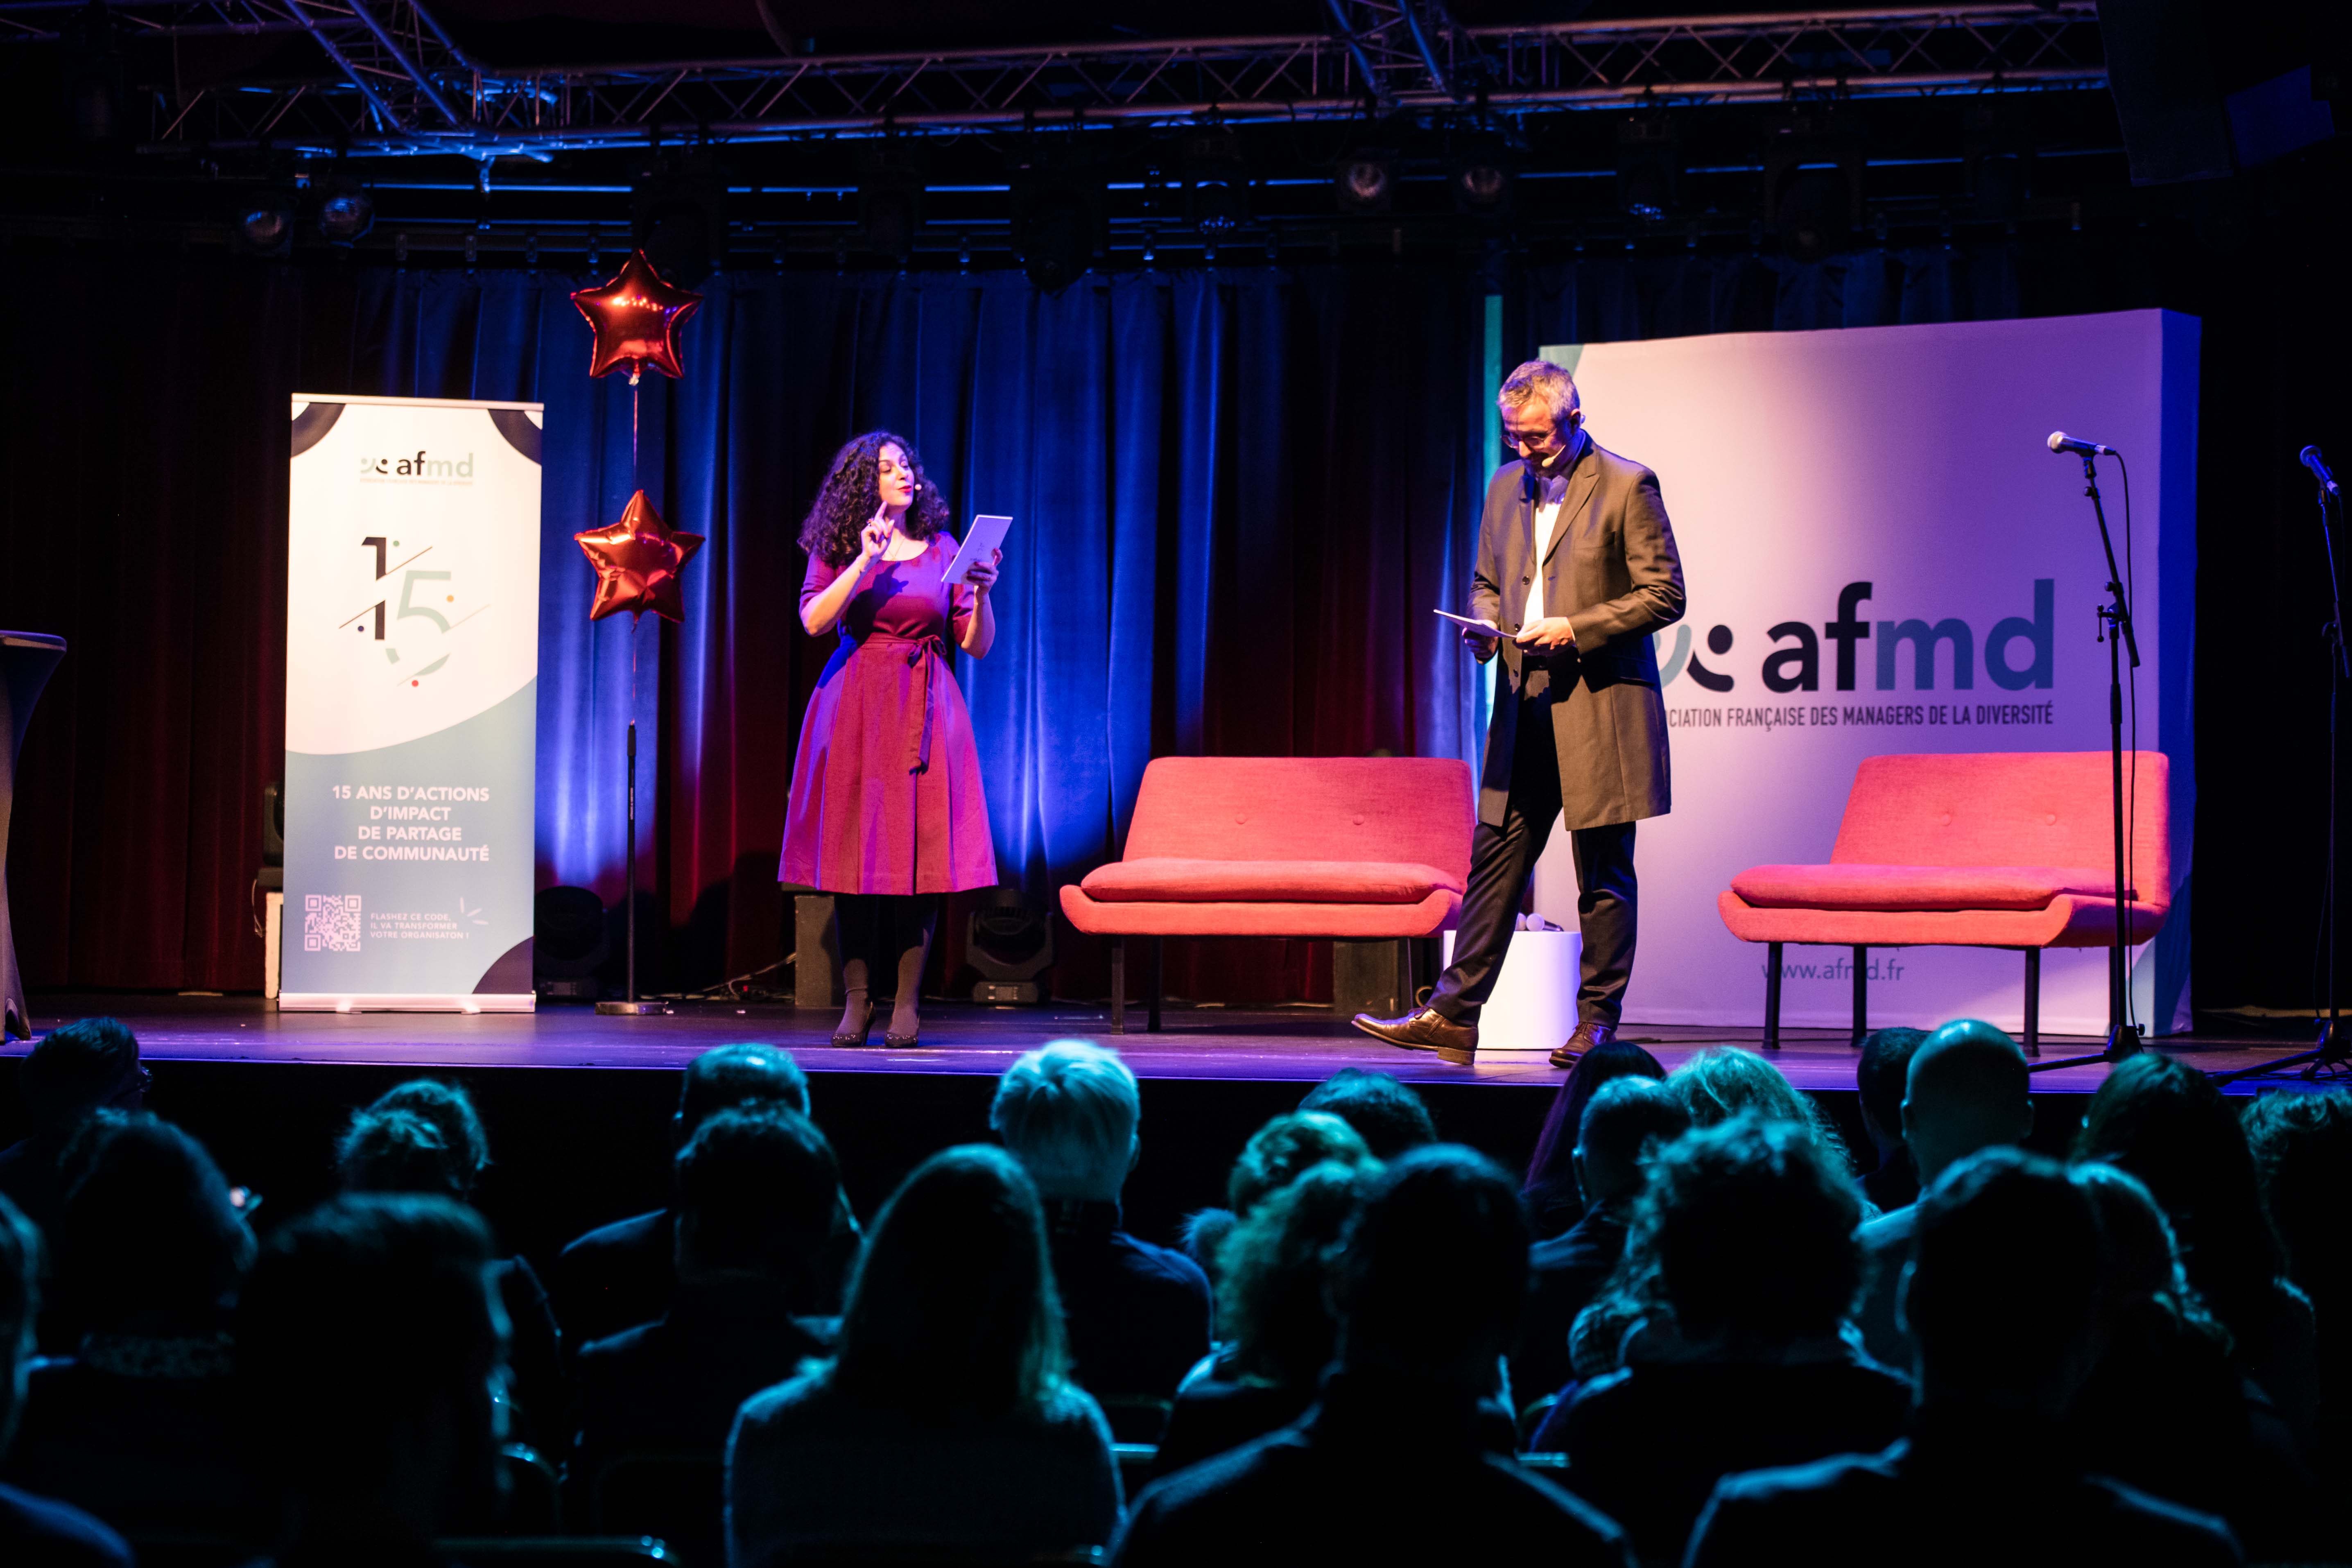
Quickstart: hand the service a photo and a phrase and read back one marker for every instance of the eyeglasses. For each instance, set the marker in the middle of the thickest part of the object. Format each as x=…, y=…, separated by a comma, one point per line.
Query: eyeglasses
x=1551, y=440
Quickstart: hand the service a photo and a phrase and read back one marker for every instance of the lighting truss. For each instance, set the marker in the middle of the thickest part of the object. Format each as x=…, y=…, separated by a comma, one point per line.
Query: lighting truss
x=391, y=82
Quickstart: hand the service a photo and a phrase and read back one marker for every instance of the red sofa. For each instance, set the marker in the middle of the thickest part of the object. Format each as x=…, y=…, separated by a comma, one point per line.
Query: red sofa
x=2009, y=850
x=1363, y=848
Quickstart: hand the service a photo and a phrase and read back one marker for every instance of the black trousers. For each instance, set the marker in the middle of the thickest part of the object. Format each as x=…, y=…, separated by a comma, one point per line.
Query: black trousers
x=1502, y=859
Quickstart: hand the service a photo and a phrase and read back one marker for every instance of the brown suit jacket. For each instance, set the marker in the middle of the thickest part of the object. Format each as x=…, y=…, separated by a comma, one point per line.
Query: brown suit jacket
x=1613, y=571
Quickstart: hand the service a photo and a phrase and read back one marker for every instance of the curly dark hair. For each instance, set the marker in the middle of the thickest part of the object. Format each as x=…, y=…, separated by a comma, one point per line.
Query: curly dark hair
x=852, y=492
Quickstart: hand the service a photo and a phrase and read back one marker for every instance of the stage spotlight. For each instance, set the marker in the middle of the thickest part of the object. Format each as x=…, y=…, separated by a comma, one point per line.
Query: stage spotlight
x=346, y=212
x=1649, y=165
x=262, y=223
x=1812, y=182
x=678, y=202
x=1365, y=181
x=1058, y=222
x=1216, y=183
x=1010, y=944
x=1481, y=173
x=890, y=204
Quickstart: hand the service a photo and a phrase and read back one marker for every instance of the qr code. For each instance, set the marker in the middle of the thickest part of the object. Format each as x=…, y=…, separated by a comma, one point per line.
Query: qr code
x=330, y=921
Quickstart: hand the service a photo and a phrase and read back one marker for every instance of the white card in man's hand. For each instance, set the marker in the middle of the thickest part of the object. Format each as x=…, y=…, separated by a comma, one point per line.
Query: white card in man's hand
x=986, y=534
x=1485, y=628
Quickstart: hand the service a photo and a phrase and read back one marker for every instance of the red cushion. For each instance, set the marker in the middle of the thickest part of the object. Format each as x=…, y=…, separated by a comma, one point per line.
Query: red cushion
x=1164, y=879
x=1848, y=886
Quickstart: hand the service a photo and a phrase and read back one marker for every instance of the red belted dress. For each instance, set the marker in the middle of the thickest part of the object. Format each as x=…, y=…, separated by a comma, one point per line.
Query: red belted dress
x=885, y=787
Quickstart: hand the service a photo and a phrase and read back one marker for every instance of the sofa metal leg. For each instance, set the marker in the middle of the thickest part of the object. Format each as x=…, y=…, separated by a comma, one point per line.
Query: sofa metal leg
x=1152, y=979
x=1119, y=986
x=1771, y=995
x=2032, y=1001
x=1861, y=995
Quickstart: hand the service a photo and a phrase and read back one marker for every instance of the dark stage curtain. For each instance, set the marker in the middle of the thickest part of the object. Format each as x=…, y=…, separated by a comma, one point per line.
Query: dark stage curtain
x=1239, y=492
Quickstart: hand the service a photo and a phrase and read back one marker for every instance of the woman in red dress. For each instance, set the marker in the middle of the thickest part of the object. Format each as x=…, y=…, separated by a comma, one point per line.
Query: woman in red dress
x=886, y=811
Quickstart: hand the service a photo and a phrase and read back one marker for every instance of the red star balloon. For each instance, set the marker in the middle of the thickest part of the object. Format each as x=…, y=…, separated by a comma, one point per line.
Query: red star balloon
x=635, y=317
x=637, y=562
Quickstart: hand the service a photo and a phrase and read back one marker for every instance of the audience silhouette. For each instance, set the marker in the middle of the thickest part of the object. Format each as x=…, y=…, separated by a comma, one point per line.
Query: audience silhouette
x=2301, y=1145
x=946, y=1416
x=620, y=1275
x=2166, y=1123
x=73, y=1072
x=1137, y=1315
x=424, y=1136
x=1386, y=1113
x=1880, y=1078
x=1749, y=1228
x=1389, y=1466
x=1274, y=1308
x=2002, y=1296
x=758, y=1194
x=2132, y=1358
x=35, y=1530
x=1554, y=1196
x=371, y=1345
x=1625, y=1122
x=139, y=1423
x=1966, y=1089
x=1271, y=1160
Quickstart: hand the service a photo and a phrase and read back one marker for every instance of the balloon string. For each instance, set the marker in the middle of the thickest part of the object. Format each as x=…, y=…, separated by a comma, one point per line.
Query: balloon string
x=634, y=394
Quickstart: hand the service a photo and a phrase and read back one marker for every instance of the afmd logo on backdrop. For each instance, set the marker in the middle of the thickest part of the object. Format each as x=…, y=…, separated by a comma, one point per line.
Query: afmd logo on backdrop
x=447, y=470
x=1949, y=644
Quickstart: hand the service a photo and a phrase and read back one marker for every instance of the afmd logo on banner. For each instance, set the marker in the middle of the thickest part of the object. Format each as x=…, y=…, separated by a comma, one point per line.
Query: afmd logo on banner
x=422, y=467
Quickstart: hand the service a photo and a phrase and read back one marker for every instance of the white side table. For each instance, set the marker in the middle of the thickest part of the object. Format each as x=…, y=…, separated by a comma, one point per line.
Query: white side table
x=1534, y=1004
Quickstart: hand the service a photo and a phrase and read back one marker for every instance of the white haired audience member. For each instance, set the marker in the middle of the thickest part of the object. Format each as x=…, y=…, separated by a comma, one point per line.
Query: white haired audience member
x=1139, y=1315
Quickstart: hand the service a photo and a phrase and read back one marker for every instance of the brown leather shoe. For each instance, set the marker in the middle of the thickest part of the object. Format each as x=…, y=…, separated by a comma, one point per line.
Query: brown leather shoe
x=1426, y=1029
x=1587, y=1035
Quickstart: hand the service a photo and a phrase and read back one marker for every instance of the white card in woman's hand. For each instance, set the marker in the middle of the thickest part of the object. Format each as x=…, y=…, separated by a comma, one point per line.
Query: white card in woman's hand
x=986, y=533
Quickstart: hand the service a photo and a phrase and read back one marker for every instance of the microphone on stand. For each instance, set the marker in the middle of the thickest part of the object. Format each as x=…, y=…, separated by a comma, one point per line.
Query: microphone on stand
x=2318, y=466
x=2062, y=443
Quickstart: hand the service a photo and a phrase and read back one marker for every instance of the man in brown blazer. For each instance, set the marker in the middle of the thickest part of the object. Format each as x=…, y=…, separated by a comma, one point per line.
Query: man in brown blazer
x=1576, y=568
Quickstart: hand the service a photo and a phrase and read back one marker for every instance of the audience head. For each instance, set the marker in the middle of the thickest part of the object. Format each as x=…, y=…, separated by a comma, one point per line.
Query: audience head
x=2302, y=1155
x=2167, y=1123
x=1720, y=1082
x=1068, y=1111
x=727, y=1076
x=1967, y=1088
x=2141, y=1269
x=451, y=1111
x=1386, y=1113
x=1277, y=1151
x=1750, y=1225
x=1624, y=1124
x=1553, y=1172
x=1273, y=1296
x=758, y=1191
x=149, y=1242
x=370, y=1341
x=953, y=1304
x=20, y=1307
x=398, y=1152
x=1433, y=1272
x=1879, y=1081
x=2003, y=1294
x=89, y=1064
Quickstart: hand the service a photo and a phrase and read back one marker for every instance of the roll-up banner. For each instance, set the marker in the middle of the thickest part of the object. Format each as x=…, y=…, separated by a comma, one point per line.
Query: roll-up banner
x=412, y=664
x=1882, y=555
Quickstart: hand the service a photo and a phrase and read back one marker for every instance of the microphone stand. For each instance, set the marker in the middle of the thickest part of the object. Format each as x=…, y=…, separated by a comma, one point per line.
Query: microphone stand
x=2115, y=630
x=2331, y=1051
